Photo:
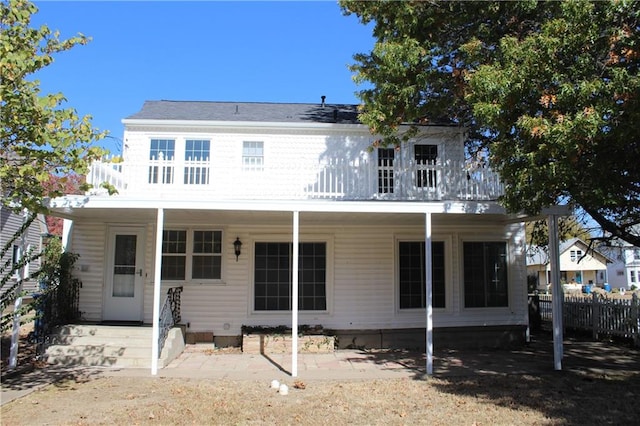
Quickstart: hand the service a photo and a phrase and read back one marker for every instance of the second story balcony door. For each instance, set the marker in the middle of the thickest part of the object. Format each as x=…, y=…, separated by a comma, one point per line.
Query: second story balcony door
x=408, y=171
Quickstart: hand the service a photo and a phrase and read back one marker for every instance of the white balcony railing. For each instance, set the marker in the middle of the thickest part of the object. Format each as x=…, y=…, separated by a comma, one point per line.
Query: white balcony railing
x=334, y=179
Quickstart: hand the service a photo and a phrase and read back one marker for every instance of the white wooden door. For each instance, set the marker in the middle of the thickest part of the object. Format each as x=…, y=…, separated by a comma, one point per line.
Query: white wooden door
x=125, y=275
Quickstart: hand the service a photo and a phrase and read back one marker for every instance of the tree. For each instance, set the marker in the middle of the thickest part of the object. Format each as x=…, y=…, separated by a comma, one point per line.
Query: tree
x=568, y=227
x=38, y=137
x=550, y=90
x=70, y=184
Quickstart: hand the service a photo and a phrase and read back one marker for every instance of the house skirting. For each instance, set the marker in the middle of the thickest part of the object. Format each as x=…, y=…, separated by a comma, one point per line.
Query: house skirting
x=444, y=337
x=506, y=336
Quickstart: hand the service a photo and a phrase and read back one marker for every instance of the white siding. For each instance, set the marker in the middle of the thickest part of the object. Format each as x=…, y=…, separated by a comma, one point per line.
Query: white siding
x=89, y=241
x=297, y=164
x=364, y=290
x=361, y=286
x=10, y=223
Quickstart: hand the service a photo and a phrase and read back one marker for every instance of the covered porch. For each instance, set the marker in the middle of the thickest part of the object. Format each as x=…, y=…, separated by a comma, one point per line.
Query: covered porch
x=290, y=218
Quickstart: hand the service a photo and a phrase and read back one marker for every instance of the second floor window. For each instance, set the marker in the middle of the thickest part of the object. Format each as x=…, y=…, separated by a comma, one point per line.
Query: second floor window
x=253, y=155
x=161, y=155
x=196, y=158
x=385, y=170
x=575, y=255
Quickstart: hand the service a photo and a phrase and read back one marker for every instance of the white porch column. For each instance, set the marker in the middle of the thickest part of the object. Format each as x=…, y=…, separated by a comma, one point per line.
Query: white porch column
x=157, y=286
x=557, y=294
x=294, y=295
x=428, y=292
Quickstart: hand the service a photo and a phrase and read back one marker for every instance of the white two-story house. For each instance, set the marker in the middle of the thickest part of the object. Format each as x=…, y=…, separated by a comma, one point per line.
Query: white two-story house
x=269, y=214
x=624, y=271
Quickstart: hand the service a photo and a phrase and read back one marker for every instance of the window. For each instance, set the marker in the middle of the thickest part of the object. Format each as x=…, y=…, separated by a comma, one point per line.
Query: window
x=425, y=158
x=485, y=274
x=412, y=274
x=174, y=255
x=272, y=288
x=161, y=156
x=632, y=276
x=15, y=261
x=206, y=262
x=196, y=159
x=385, y=170
x=575, y=255
x=253, y=156
x=636, y=254
x=194, y=254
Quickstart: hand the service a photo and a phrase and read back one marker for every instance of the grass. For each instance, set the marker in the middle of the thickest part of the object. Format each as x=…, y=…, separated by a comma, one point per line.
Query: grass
x=555, y=399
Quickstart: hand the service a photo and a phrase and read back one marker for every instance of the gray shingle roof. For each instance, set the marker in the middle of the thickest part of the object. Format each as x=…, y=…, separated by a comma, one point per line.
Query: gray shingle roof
x=247, y=111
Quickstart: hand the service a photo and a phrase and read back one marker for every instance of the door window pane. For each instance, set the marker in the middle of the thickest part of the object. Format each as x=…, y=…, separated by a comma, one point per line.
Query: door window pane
x=124, y=266
x=412, y=274
x=272, y=286
x=425, y=158
x=485, y=274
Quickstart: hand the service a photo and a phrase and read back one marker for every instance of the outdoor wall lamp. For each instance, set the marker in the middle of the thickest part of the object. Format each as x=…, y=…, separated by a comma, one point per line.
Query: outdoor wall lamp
x=237, y=245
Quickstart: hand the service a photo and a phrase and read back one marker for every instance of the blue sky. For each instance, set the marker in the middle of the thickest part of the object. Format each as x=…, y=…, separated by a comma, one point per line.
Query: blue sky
x=265, y=51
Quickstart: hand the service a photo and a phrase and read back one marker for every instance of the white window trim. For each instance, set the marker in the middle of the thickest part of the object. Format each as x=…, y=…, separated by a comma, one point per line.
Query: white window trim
x=189, y=256
x=283, y=238
x=448, y=277
x=243, y=167
x=510, y=276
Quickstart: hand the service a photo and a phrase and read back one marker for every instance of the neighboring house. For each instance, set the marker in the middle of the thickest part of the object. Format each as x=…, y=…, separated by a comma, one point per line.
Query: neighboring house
x=579, y=265
x=212, y=196
x=30, y=241
x=624, y=271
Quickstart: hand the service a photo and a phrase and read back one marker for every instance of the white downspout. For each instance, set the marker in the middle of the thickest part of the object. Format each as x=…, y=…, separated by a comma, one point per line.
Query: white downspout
x=557, y=294
x=157, y=285
x=428, y=292
x=294, y=295
x=67, y=228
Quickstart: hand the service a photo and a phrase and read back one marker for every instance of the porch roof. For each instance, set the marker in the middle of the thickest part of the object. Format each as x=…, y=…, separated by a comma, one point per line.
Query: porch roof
x=343, y=212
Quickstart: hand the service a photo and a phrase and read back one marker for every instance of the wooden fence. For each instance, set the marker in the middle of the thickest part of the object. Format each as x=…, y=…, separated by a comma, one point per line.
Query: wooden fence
x=602, y=315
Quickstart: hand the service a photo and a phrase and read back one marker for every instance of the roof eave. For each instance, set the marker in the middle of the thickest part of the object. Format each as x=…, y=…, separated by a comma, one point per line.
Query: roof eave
x=241, y=124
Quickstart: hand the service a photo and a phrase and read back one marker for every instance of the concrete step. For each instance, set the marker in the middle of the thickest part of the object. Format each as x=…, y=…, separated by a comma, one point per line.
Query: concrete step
x=103, y=330
x=110, y=346
x=73, y=340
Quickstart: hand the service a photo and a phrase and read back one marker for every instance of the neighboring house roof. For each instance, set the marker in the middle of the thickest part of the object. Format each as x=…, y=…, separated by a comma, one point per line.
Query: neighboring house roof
x=536, y=256
x=247, y=111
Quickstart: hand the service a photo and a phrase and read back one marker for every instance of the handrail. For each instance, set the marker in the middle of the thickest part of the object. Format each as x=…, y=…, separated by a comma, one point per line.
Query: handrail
x=331, y=178
x=169, y=315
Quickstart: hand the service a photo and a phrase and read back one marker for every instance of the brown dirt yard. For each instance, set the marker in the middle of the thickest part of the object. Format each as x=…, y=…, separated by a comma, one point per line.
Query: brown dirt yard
x=582, y=394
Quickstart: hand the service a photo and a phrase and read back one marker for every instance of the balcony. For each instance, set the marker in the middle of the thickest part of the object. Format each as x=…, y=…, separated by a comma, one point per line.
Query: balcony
x=332, y=179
